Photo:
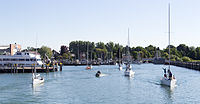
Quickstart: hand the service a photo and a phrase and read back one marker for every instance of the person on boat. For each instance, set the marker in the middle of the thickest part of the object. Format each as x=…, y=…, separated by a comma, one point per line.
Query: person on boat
x=165, y=72
x=170, y=74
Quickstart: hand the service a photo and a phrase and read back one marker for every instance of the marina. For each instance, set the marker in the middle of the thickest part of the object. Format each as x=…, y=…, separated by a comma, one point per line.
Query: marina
x=77, y=52
x=75, y=85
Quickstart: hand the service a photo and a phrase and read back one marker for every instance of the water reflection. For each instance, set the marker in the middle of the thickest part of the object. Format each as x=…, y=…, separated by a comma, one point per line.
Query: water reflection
x=36, y=89
x=168, y=93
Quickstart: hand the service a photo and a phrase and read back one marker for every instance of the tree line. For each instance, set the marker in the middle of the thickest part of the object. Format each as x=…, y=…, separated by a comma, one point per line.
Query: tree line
x=114, y=51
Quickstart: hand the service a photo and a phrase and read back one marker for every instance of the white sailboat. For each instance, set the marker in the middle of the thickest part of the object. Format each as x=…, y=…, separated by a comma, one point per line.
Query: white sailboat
x=120, y=65
x=88, y=66
x=36, y=78
x=170, y=79
x=129, y=72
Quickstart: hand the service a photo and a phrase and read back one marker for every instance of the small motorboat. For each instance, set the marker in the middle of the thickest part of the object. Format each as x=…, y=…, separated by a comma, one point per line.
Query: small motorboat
x=37, y=79
x=98, y=74
x=89, y=67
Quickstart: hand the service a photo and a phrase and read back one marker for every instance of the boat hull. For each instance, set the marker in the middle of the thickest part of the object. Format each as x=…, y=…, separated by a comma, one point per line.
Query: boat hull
x=120, y=68
x=129, y=73
x=168, y=82
x=37, y=81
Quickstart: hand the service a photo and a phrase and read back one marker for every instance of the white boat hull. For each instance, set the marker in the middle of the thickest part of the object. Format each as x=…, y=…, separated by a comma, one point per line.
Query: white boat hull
x=167, y=82
x=120, y=68
x=129, y=73
x=37, y=79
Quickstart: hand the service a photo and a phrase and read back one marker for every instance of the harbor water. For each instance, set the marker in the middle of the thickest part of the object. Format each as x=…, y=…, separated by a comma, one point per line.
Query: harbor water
x=75, y=85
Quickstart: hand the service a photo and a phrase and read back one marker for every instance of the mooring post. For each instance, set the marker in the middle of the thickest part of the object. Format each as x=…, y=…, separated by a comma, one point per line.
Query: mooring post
x=60, y=66
x=53, y=67
x=23, y=68
x=56, y=66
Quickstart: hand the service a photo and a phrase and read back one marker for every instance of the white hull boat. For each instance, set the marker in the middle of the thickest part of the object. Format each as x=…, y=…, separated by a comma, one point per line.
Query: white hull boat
x=120, y=68
x=168, y=82
x=129, y=73
x=37, y=79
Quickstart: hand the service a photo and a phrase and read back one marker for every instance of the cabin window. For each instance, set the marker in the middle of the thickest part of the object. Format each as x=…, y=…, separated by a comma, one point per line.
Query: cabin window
x=0, y=59
x=6, y=59
x=21, y=59
x=13, y=59
x=19, y=53
x=27, y=53
x=33, y=59
x=27, y=59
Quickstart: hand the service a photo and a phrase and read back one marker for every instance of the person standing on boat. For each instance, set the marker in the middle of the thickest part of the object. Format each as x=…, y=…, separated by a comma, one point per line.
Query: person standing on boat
x=170, y=74
x=165, y=72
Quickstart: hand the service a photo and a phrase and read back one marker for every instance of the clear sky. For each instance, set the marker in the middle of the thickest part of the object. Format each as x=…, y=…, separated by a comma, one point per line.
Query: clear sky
x=57, y=22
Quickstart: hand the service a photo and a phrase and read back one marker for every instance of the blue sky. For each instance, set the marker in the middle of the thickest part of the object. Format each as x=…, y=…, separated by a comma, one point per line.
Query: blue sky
x=57, y=22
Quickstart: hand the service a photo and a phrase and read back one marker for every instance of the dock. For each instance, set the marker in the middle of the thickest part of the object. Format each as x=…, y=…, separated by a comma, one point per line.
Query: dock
x=189, y=65
x=30, y=69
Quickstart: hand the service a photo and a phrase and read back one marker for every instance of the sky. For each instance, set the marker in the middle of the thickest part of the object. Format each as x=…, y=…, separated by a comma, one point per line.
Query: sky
x=58, y=22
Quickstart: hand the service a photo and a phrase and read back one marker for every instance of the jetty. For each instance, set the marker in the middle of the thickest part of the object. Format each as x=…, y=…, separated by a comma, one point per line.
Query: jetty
x=30, y=69
x=189, y=65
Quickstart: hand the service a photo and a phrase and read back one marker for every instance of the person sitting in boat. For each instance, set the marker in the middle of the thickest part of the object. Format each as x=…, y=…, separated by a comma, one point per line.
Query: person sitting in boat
x=165, y=75
x=170, y=74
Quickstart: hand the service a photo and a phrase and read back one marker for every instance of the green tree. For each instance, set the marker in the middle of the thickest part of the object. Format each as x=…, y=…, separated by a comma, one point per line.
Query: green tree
x=45, y=50
x=186, y=59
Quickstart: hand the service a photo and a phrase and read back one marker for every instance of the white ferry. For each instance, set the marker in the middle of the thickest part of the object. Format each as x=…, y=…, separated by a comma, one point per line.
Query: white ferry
x=21, y=59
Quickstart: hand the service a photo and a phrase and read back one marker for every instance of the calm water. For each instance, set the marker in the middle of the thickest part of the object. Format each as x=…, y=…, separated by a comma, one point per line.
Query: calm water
x=75, y=85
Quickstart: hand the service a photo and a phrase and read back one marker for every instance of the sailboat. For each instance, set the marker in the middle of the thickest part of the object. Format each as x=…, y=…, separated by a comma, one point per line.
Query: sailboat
x=129, y=72
x=170, y=79
x=120, y=65
x=36, y=78
x=88, y=66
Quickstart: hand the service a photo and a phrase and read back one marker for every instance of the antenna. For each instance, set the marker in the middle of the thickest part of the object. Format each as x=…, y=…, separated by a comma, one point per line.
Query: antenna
x=169, y=30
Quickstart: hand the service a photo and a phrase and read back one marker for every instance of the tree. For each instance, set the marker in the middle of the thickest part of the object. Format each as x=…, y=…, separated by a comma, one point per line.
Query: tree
x=63, y=49
x=183, y=49
x=192, y=53
x=45, y=50
x=186, y=59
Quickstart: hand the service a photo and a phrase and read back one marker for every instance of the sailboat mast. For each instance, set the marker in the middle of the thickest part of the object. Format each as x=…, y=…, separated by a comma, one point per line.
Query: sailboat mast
x=169, y=30
x=87, y=53
x=35, y=57
x=128, y=47
x=128, y=39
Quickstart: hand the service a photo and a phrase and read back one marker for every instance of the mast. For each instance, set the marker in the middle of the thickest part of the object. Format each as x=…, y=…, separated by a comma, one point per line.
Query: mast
x=128, y=47
x=35, y=57
x=87, y=53
x=169, y=30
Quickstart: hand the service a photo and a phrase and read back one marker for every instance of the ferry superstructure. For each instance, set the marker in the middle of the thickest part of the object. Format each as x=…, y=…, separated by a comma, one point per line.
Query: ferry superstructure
x=21, y=59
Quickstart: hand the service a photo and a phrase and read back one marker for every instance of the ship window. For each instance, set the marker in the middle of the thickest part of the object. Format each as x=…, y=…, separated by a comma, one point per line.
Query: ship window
x=13, y=59
x=6, y=59
x=21, y=59
x=27, y=59
x=33, y=59
x=0, y=59
x=27, y=53
x=19, y=53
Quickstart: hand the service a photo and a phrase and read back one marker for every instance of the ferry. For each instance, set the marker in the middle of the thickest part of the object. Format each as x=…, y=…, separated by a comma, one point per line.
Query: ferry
x=21, y=59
